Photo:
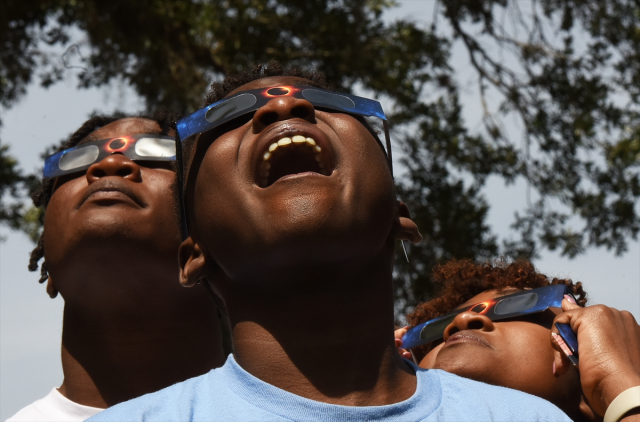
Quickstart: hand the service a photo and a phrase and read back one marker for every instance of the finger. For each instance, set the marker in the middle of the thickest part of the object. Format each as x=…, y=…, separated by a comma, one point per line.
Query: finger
x=561, y=363
x=400, y=332
x=398, y=343
x=568, y=303
x=568, y=316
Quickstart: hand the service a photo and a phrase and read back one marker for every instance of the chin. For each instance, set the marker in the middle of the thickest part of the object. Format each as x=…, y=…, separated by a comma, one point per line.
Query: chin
x=468, y=367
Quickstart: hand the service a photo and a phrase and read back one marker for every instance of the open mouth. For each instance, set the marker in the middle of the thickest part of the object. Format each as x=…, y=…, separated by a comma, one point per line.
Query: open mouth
x=292, y=155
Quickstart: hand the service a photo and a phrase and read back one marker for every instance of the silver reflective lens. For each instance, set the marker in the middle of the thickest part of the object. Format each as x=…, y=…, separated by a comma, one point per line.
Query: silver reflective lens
x=79, y=157
x=328, y=98
x=155, y=147
x=233, y=105
x=516, y=304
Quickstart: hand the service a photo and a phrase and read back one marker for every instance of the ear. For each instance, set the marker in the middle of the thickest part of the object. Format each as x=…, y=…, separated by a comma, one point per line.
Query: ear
x=192, y=263
x=51, y=288
x=404, y=228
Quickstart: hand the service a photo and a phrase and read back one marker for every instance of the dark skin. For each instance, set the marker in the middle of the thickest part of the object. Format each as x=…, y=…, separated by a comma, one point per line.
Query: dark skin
x=320, y=249
x=111, y=237
x=517, y=353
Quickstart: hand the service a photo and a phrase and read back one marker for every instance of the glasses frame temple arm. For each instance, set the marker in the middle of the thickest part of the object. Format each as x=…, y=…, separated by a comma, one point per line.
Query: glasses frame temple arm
x=184, y=231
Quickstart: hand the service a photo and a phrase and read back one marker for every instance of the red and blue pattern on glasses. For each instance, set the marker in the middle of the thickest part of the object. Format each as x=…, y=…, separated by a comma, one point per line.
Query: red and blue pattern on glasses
x=509, y=306
x=142, y=147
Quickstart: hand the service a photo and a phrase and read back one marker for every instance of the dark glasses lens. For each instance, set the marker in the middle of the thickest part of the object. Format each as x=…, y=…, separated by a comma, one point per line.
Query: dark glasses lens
x=79, y=158
x=320, y=98
x=436, y=330
x=232, y=106
x=516, y=304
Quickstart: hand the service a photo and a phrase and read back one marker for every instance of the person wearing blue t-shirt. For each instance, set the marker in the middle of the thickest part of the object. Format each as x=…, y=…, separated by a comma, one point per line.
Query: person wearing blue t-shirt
x=293, y=219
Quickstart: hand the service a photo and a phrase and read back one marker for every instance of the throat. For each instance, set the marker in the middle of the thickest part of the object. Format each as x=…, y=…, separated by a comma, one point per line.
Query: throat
x=104, y=365
x=323, y=346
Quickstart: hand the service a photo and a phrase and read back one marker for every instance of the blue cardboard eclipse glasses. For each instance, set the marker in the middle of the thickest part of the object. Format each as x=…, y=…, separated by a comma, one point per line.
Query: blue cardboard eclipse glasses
x=142, y=147
x=509, y=306
x=249, y=101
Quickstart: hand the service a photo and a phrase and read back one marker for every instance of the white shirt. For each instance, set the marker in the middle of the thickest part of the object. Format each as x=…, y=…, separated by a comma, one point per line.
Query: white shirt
x=54, y=407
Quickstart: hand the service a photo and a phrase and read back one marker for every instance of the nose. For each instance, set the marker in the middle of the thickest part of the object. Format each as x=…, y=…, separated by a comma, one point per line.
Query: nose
x=114, y=165
x=468, y=321
x=282, y=108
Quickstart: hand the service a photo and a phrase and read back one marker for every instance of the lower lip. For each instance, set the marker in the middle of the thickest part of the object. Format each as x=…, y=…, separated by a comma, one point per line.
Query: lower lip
x=297, y=176
x=109, y=197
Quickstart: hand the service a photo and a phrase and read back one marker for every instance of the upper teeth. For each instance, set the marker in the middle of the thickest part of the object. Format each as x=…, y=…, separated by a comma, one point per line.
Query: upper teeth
x=283, y=143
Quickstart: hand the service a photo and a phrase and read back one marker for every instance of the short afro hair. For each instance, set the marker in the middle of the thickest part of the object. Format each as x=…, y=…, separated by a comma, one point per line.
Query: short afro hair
x=219, y=90
x=460, y=280
x=42, y=195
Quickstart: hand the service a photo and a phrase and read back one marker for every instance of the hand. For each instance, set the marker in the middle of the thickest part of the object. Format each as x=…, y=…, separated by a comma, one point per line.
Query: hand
x=609, y=351
x=398, y=335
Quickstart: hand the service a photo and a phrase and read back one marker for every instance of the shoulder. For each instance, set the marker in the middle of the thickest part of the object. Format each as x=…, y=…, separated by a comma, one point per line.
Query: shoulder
x=172, y=403
x=468, y=399
x=54, y=407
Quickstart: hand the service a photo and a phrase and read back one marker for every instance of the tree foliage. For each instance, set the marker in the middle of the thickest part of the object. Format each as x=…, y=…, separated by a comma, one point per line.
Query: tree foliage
x=566, y=71
x=14, y=186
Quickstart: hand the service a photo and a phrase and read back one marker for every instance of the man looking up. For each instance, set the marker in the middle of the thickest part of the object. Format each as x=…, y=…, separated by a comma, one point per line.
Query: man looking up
x=295, y=206
x=110, y=242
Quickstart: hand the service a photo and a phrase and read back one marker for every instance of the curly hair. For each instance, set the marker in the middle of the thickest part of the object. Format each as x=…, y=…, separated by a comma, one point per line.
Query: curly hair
x=42, y=195
x=460, y=280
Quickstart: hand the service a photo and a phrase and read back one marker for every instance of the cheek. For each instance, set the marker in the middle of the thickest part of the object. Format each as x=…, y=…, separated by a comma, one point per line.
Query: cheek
x=162, y=195
x=218, y=172
x=531, y=355
x=364, y=170
x=58, y=217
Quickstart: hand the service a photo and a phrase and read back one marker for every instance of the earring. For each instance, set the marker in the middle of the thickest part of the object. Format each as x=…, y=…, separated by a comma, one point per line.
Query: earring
x=405, y=251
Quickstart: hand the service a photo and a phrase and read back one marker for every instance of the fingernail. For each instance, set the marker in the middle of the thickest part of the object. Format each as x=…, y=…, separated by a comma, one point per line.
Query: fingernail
x=570, y=299
x=554, y=367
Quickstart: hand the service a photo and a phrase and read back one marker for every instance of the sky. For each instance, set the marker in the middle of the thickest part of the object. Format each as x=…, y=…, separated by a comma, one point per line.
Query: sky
x=30, y=322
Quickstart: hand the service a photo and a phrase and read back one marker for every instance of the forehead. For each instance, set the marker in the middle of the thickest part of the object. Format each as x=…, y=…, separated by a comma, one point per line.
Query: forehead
x=272, y=81
x=126, y=126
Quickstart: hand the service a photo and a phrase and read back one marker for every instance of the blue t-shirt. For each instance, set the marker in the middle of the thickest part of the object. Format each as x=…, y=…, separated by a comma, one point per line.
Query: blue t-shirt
x=230, y=393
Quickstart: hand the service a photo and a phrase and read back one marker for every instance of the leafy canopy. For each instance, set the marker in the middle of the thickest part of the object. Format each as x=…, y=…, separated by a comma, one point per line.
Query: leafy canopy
x=567, y=71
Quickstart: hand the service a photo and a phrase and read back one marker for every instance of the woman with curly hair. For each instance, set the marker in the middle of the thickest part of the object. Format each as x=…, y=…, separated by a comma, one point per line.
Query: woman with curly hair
x=520, y=352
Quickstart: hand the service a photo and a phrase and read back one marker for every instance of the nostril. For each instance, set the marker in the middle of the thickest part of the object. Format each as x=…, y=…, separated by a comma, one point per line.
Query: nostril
x=269, y=118
x=123, y=172
x=475, y=325
x=99, y=173
x=453, y=330
x=300, y=111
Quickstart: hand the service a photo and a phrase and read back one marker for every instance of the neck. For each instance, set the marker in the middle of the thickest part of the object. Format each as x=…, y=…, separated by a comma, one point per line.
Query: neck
x=329, y=337
x=113, y=355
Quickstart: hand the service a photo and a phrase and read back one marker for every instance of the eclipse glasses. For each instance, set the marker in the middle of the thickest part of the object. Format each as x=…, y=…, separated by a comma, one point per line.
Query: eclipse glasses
x=245, y=102
x=509, y=306
x=143, y=147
